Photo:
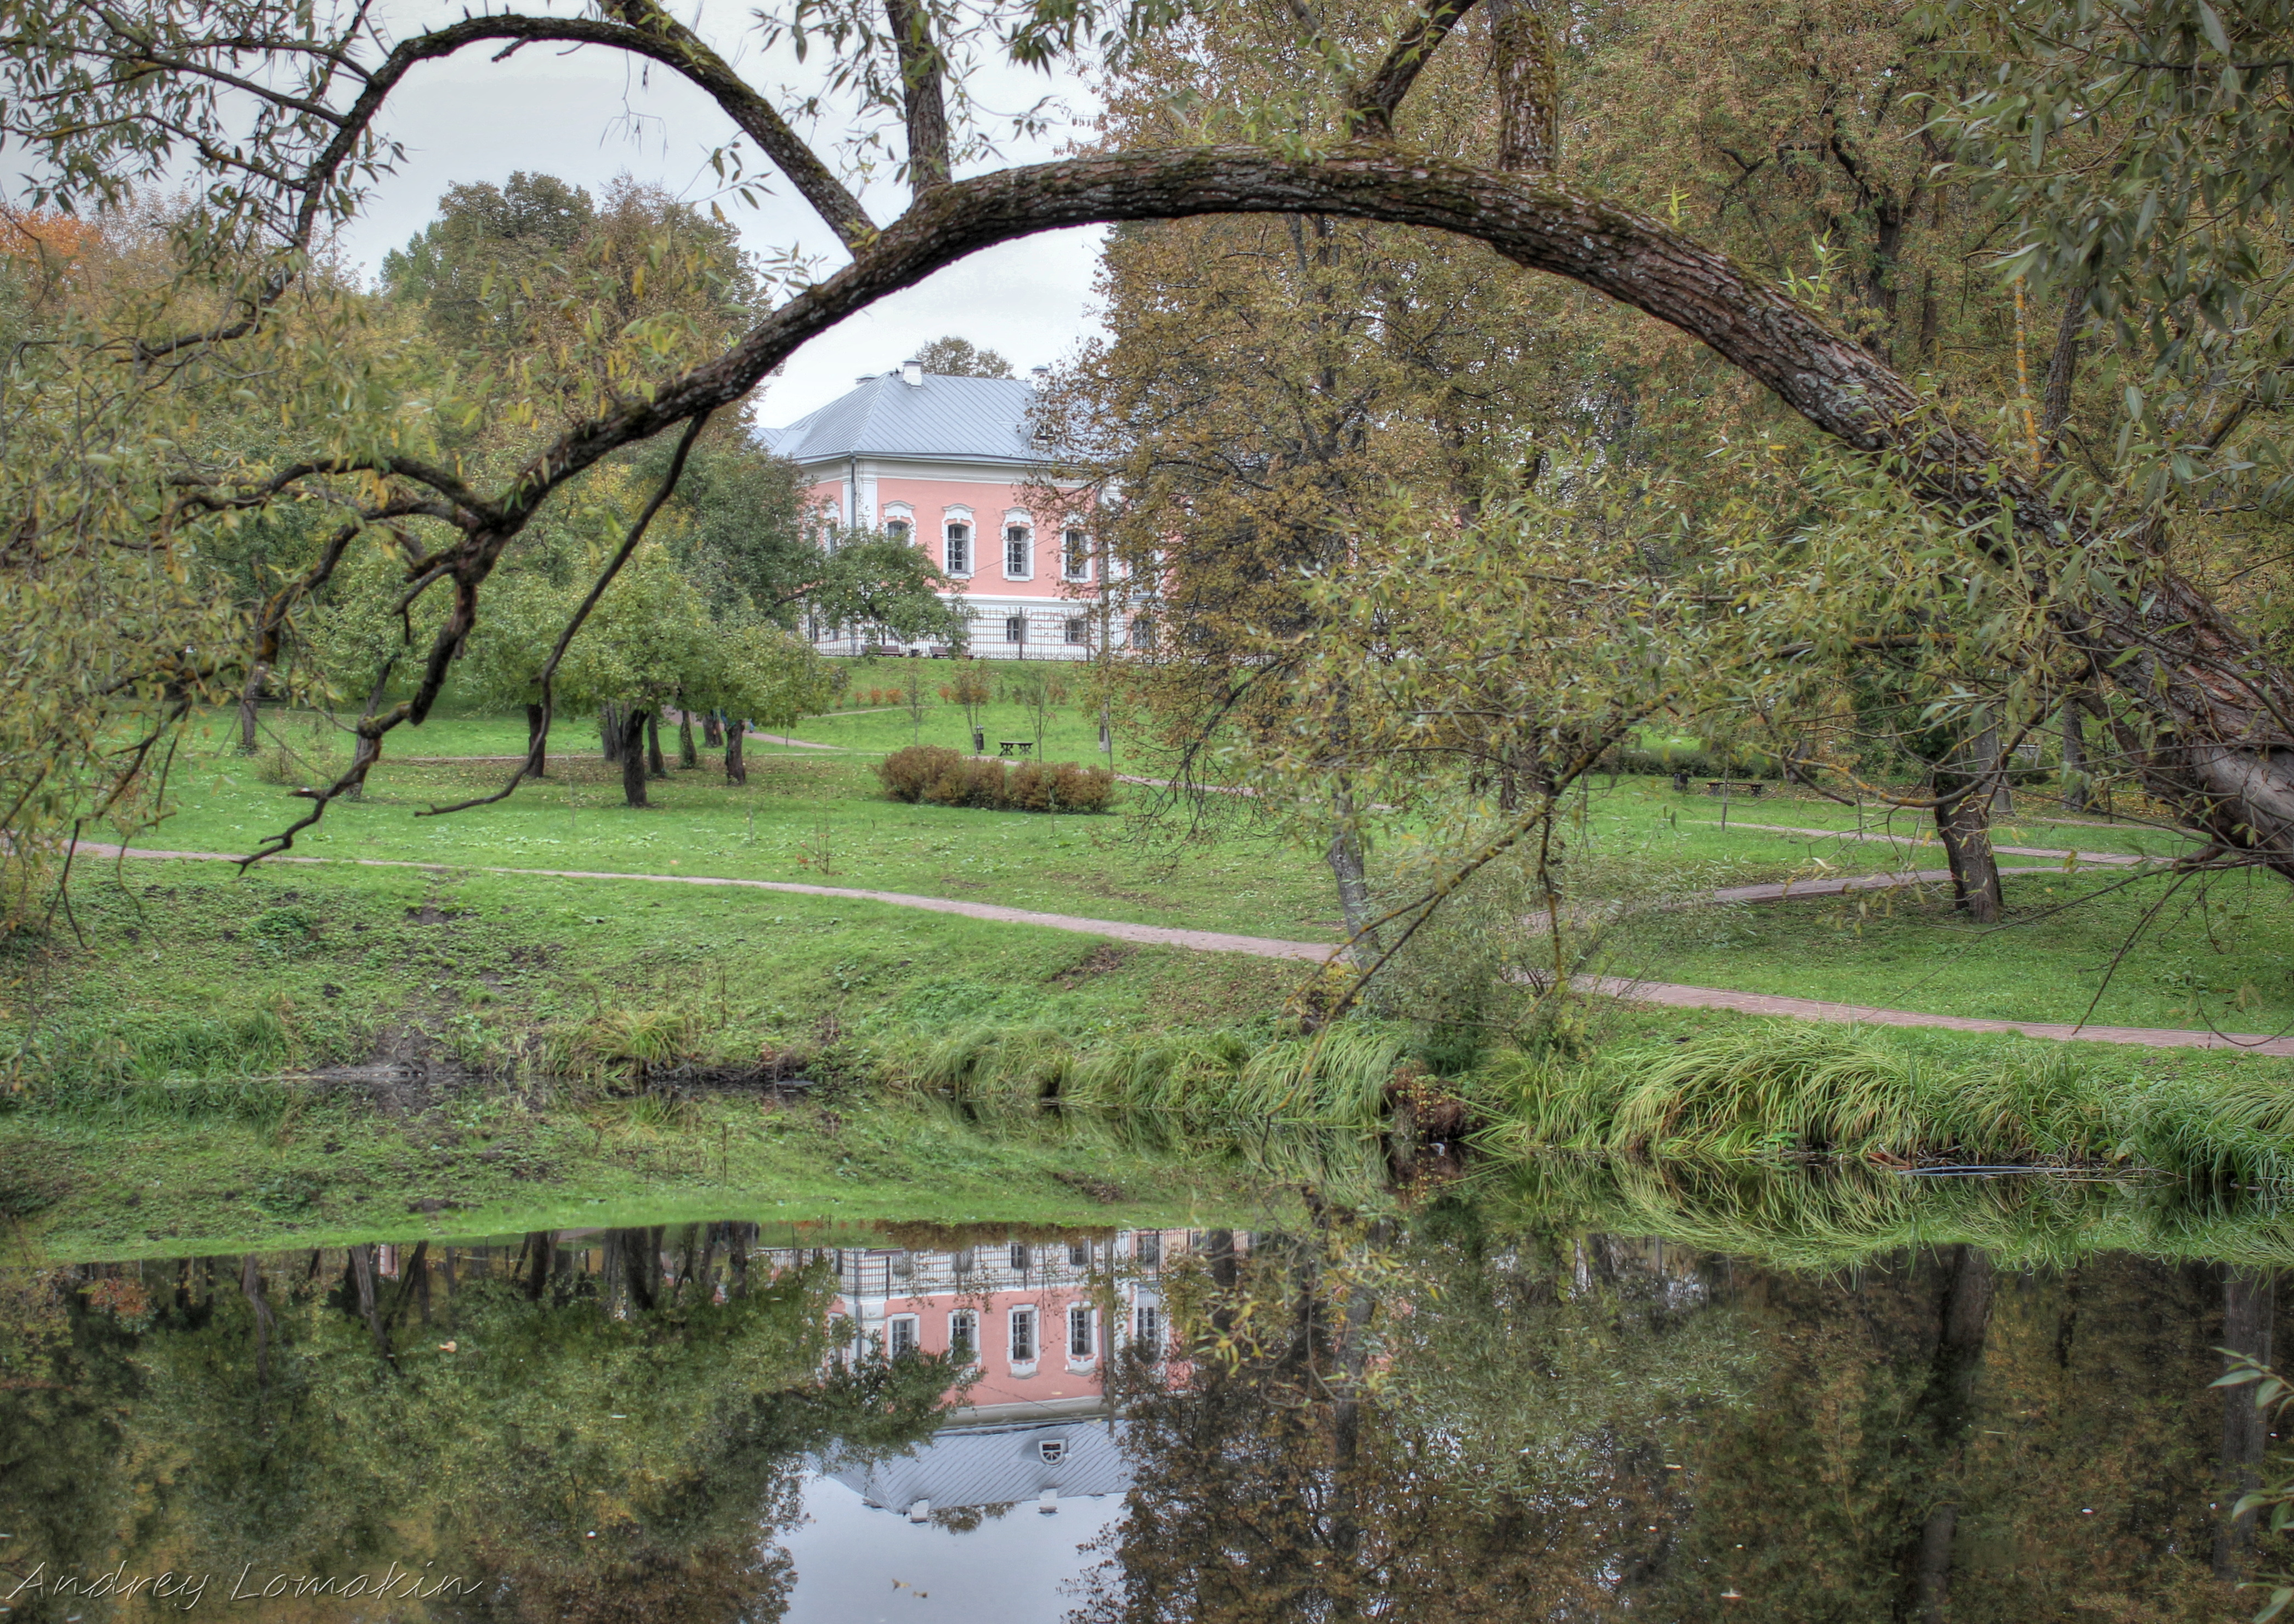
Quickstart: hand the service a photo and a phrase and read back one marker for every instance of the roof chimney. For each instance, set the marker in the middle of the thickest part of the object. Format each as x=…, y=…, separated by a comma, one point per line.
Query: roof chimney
x=866, y=377
x=912, y=372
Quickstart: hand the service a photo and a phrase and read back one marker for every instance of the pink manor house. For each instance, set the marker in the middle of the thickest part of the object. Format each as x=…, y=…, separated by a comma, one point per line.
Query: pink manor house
x=946, y=462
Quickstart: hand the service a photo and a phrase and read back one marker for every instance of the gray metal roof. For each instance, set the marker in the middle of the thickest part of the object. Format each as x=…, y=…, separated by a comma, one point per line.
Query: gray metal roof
x=999, y=1465
x=957, y=419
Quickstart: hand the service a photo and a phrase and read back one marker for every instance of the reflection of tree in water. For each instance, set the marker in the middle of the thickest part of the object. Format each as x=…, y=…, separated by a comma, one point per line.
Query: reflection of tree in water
x=1341, y=1444
x=604, y=1433
x=1437, y=1423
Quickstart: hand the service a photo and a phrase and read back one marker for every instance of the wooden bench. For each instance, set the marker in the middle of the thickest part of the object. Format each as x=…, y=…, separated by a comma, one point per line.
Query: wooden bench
x=1015, y=747
x=1738, y=786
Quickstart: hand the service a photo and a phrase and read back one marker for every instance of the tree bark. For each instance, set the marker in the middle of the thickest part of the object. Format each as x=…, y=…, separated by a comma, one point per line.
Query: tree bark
x=654, y=764
x=2075, y=768
x=1521, y=60
x=1965, y=781
x=922, y=92
x=610, y=729
x=255, y=676
x=1345, y=856
x=537, y=746
x=713, y=728
x=687, y=755
x=633, y=773
x=2250, y=1308
x=736, y=767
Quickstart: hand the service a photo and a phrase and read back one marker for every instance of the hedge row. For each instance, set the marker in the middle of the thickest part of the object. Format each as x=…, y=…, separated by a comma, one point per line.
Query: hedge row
x=944, y=777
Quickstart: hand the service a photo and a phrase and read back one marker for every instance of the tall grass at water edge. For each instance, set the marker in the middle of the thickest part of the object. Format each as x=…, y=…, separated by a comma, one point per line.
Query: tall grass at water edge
x=1783, y=1090
x=152, y=1070
x=1336, y=1078
x=1757, y=1091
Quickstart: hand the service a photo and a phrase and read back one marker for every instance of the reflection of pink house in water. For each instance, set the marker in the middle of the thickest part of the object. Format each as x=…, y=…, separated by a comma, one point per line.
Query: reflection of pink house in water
x=946, y=462
x=1034, y=1315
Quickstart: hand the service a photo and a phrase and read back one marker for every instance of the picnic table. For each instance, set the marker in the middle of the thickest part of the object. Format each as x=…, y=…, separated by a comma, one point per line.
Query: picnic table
x=1015, y=747
x=1734, y=786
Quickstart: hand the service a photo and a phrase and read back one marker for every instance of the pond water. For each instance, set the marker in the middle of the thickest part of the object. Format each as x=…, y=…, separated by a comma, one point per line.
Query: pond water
x=1448, y=1413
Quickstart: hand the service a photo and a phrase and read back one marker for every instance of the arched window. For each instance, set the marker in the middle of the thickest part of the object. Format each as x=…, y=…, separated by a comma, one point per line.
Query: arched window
x=1023, y=1335
x=899, y=523
x=1081, y=1343
x=1019, y=550
x=964, y=1335
x=1075, y=555
x=958, y=544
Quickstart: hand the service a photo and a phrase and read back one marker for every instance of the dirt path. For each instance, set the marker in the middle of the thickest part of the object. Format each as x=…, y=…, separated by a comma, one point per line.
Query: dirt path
x=2109, y=859
x=1811, y=1009
x=1268, y=948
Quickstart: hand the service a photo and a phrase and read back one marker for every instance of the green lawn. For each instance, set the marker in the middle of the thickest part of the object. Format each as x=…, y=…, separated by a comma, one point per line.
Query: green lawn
x=806, y=816
x=2227, y=960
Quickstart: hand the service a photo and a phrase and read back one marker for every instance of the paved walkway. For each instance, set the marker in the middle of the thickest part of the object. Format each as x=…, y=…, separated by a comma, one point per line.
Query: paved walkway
x=2109, y=859
x=1268, y=948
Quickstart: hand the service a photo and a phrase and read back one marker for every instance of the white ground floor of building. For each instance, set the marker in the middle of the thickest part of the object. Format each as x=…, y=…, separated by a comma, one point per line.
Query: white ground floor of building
x=1002, y=628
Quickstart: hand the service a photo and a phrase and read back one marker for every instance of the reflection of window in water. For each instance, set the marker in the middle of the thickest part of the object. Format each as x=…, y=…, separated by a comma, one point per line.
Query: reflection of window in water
x=1149, y=1248
x=1023, y=1335
x=904, y=1266
x=1079, y=1337
x=1147, y=1329
x=962, y=1333
x=1020, y=1256
x=1078, y=1253
x=903, y=1337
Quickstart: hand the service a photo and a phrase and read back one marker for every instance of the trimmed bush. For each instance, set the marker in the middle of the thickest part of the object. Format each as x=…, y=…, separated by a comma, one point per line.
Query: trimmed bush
x=940, y=776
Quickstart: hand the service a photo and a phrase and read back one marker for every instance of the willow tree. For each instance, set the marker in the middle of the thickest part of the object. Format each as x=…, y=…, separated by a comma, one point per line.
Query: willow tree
x=282, y=114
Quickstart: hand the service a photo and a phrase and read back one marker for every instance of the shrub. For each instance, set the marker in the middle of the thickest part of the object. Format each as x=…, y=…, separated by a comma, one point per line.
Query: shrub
x=967, y=781
x=1029, y=788
x=908, y=773
x=943, y=777
x=1083, y=789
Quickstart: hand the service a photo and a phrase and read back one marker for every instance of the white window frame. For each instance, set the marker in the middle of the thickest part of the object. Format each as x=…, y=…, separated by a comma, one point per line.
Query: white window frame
x=960, y=516
x=1013, y=1342
x=1026, y=527
x=1078, y=1254
x=1078, y=631
x=895, y=1326
x=900, y=519
x=1083, y=1314
x=1147, y=1247
x=965, y=1346
x=1019, y=1257
x=1016, y=623
x=1147, y=1333
x=1075, y=548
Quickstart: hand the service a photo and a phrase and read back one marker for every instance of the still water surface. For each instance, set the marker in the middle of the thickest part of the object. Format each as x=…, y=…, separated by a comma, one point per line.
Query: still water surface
x=1432, y=1417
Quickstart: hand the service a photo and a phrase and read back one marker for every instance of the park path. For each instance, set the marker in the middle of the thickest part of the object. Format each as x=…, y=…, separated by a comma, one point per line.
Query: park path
x=1268, y=948
x=2106, y=859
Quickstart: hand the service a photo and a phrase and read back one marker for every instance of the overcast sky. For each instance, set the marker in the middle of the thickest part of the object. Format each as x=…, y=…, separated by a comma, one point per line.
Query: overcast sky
x=586, y=117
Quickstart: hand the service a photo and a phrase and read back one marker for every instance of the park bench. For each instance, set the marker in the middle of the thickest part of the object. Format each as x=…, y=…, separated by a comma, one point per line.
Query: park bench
x=1734, y=786
x=1015, y=747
